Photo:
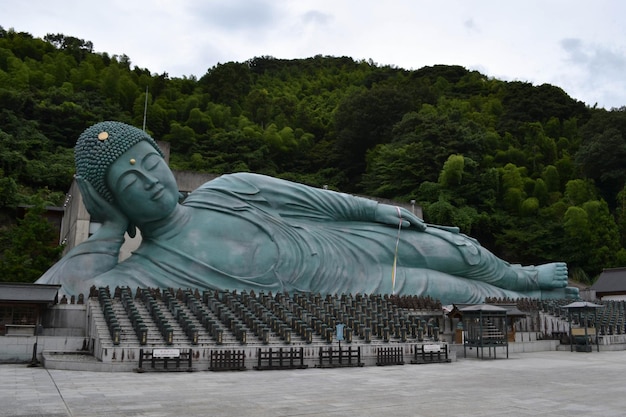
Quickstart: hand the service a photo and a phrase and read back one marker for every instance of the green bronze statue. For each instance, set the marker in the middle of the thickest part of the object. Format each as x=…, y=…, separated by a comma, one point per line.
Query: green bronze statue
x=252, y=232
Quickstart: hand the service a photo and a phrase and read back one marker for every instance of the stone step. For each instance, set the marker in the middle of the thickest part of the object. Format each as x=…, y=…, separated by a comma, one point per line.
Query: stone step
x=232, y=305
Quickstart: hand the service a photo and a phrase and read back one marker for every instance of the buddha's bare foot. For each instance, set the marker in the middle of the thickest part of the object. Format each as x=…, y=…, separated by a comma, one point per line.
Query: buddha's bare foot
x=551, y=276
x=560, y=293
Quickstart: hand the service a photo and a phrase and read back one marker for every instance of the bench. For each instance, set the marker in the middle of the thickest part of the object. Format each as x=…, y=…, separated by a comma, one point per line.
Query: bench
x=165, y=357
x=275, y=359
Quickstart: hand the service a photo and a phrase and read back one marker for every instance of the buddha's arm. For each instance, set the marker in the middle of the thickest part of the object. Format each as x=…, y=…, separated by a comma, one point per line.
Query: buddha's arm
x=96, y=255
x=295, y=200
x=91, y=258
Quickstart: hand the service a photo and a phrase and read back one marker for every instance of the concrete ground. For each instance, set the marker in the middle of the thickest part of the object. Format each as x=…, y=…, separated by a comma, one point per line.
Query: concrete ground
x=552, y=383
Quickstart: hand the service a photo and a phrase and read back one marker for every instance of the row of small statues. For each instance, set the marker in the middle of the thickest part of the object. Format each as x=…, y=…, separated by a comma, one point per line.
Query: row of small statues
x=523, y=304
x=73, y=299
x=411, y=302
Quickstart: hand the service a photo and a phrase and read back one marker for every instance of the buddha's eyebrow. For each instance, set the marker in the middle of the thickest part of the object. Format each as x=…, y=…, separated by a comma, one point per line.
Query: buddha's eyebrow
x=136, y=171
x=149, y=154
x=148, y=158
x=123, y=176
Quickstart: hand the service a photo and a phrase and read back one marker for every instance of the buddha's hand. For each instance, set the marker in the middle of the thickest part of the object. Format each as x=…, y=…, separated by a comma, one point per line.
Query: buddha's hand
x=394, y=215
x=101, y=210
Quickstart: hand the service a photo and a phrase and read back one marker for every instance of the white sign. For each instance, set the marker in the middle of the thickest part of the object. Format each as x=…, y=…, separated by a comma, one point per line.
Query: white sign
x=165, y=353
x=340, y=331
x=431, y=348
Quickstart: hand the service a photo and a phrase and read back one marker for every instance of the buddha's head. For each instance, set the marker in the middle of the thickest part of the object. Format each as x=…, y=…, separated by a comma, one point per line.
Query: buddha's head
x=126, y=167
x=102, y=144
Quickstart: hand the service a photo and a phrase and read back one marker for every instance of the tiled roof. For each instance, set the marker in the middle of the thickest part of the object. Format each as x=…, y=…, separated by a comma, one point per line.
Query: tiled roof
x=611, y=280
x=32, y=293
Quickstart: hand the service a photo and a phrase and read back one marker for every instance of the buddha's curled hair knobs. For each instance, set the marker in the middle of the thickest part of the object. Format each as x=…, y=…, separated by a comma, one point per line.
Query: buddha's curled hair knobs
x=100, y=145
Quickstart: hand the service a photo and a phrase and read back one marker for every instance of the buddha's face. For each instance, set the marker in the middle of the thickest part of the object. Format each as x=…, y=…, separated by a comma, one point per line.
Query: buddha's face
x=142, y=184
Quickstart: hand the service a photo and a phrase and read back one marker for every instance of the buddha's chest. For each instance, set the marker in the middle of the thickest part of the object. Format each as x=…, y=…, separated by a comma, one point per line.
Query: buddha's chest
x=228, y=243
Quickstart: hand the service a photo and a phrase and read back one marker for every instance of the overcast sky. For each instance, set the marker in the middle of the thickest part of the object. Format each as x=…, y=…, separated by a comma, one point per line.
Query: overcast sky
x=577, y=45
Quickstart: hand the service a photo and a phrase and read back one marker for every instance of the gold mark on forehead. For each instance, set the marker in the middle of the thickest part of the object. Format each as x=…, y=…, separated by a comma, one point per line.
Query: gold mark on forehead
x=132, y=161
x=103, y=136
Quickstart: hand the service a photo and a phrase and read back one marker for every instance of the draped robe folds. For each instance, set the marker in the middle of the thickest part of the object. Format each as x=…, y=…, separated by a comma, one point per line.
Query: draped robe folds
x=326, y=242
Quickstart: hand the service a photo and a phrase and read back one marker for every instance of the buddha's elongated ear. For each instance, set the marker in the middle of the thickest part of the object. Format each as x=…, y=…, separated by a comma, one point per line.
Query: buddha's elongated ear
x=132, y=230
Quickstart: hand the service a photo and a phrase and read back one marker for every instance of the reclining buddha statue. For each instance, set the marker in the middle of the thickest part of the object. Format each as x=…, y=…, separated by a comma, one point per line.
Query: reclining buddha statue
x=247, y=231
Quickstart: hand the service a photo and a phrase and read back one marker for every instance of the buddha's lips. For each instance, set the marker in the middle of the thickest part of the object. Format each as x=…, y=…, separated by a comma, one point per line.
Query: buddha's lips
x=157, y=194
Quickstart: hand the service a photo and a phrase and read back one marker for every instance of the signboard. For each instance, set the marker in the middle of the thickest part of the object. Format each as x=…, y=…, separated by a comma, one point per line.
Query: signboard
x=165, y=353
x=431, y=348
x=340, y=331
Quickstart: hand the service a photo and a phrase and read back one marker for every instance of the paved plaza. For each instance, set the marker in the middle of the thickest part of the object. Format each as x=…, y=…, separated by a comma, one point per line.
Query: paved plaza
x=553, y=383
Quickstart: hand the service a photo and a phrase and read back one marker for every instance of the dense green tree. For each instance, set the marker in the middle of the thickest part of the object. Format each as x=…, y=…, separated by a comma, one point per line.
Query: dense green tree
x=8, y=191
x=227, y=83
x=444, y=213
x=620, y=215
x=540, y=192
x=551, y=179
x=592, y=237
x=451, y=127
x=578, y=192
x=529, y=240
x=522, y=102
x=602, y=159
x=29, y=248
x=521, y=167
x=181, y=138
x=364, y=119
x=452, y=172
x=394, y=171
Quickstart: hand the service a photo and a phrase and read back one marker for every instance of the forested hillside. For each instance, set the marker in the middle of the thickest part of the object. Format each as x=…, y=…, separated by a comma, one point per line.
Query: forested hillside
x=533, y=174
